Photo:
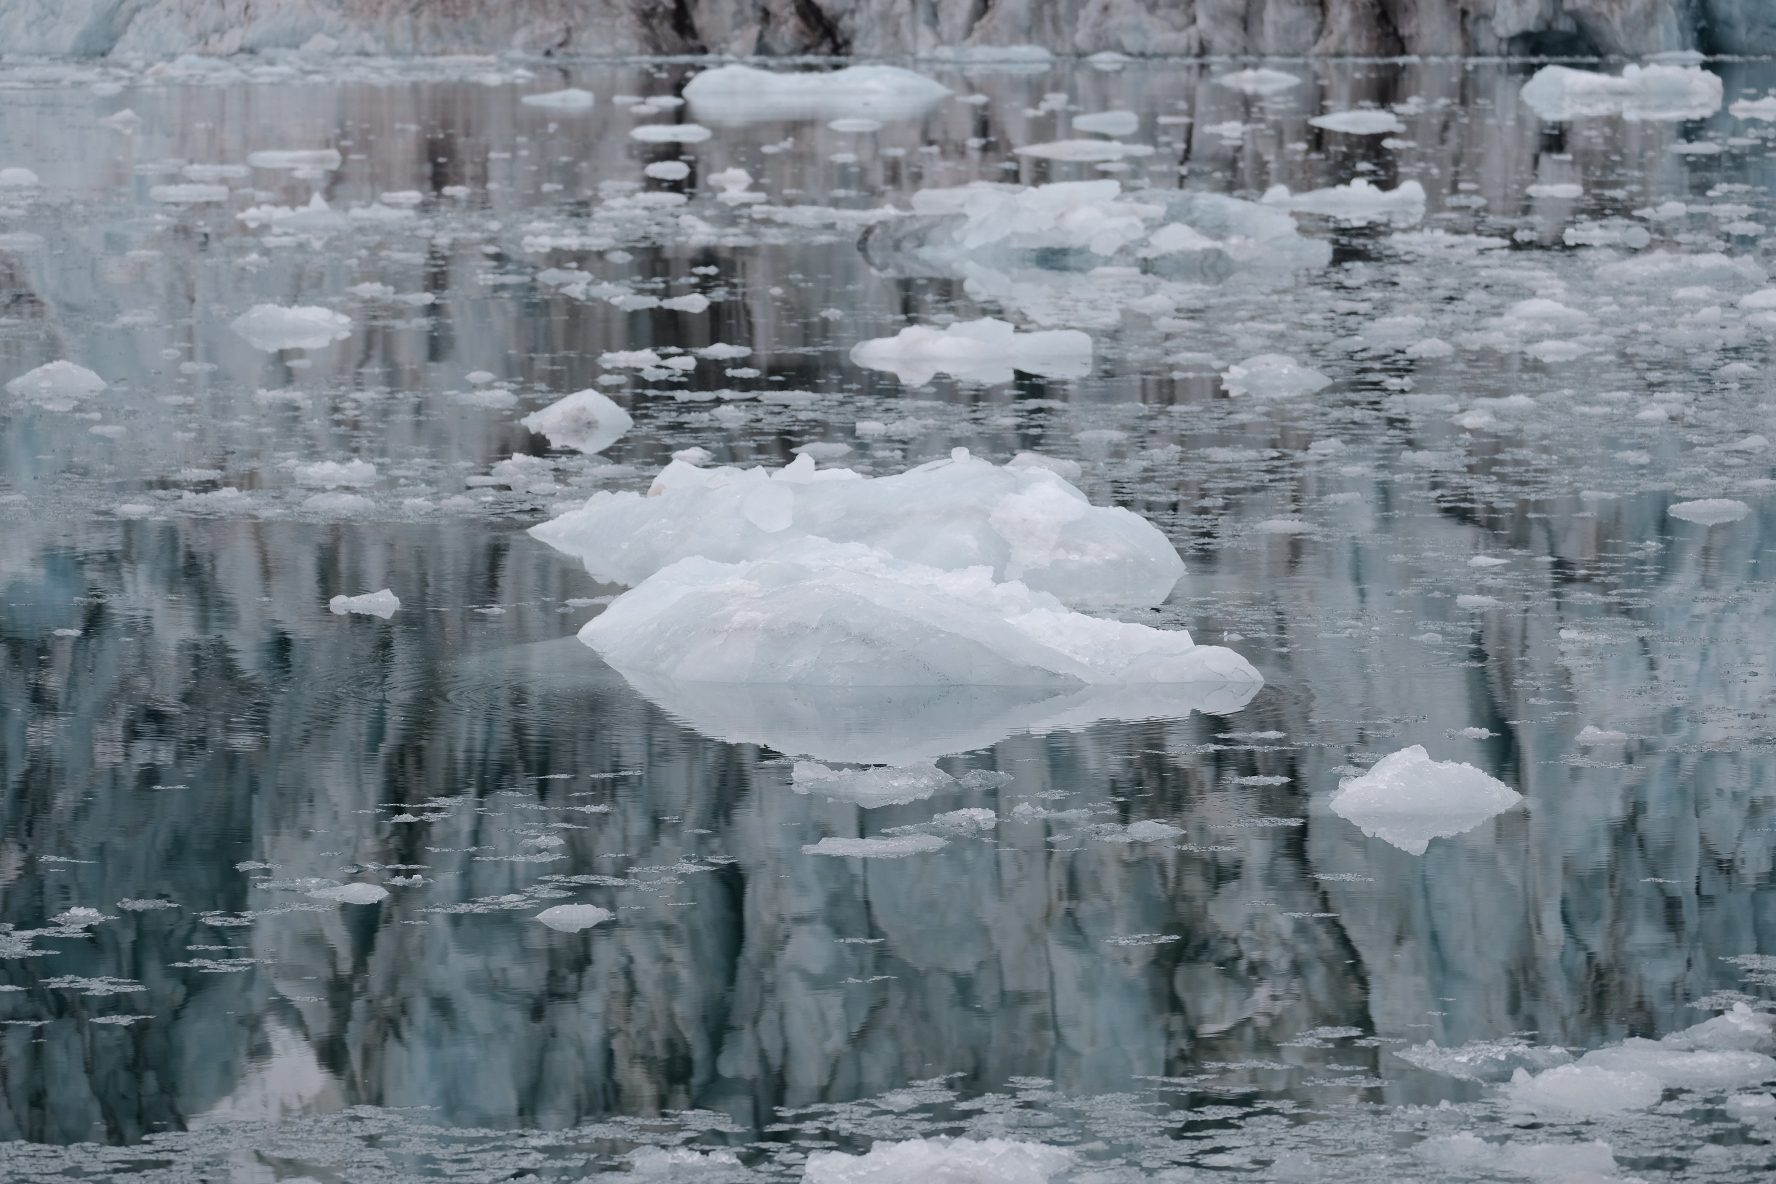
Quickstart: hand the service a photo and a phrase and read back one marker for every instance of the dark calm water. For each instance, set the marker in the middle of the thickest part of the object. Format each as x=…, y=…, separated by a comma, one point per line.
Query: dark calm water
x=191, y=741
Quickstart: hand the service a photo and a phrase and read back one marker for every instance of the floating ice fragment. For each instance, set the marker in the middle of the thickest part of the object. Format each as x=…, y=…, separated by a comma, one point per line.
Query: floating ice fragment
x=1085, y=150
x=721, y=351
x=1108, y=123
x=1574, y=1163
x=1273, y=376
x=1656, y=92
x=1674, y=1063
x=335, y=504
x=22, y=178
x=1357, y=203
x=1366, y=122
x=125, y=121
x=985, y=351
x=892, y=786
x=60, y=380
x=689, y=302
x=1407, y=799
x=742, y=94
x=894, y=848
x=1483, y=1060
x=314, y=218
x=571, y=918
x=1487, y=561
x=629, y=359
x=1561, y=189
x=1068, y=470
x=1749, y=444
x=1591, y=734
x=323, y=159
x=1711, y=511
x=1557, y=351
x=376, y=604
x=1764, y=108
x=1476, y=601
x=191, y=194
x=272, y=327
x=670, y=133
x=329, y=474
x=1429, y=347
x=586, y=421
x=358, y=893
x=941, y=1161
x=570, y=99
x=1283, y=526
x=668, y=170
x=1258, y=82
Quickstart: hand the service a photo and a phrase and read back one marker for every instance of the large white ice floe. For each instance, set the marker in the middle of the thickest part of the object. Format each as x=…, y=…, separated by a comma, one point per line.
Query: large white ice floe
x=1019, y=522
x=1655, y=92
x=1357, y=203
x=585, y=420
x=271, y=327
x=58, y=382
x=1709, y=511
x=941, y=1161
x=843, y=614
x=986, y=351
x=737, y=94
x=1407, y=799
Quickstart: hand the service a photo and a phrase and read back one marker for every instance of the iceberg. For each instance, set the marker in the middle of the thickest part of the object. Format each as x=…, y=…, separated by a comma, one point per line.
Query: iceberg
x=1019, y=522
x=272, y=327
x=1655, y=92
x=985, y=351
x=1357, y=203
x=941, y=1161
x=58, y=381
x=744, y=94
x=585, y=420
x=819, y=613
x=1407, y=799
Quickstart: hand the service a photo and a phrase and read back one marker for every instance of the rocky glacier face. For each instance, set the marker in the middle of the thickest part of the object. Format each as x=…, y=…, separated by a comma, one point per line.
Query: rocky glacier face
x=158, y=28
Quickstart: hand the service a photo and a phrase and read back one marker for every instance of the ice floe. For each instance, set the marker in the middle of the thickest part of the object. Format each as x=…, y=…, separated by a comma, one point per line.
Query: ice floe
x=1653, y=92
x=1273, y=376
x=941, y=1161
x=1108, y=123
x=1709, y=511
x=358, y=893
x=586, y=421
x=569, y=99
x=1088, y=151
x=1258, y=81
x=272, y=327
x=60, y=381
x=891, y=848
x=1407, y=799
x=376, y=604
x=985, y=351
x=881, y=786
x=735, y=94
x=1358, y=202
x=1361, y=122
x=571, y=918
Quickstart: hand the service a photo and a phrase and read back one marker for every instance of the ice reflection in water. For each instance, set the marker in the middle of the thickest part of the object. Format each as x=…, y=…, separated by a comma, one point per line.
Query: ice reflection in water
x=1166, y=950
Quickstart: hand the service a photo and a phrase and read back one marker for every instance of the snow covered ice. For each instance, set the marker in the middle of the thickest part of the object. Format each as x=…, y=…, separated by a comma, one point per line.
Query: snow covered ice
x=585, y=420
x=1407, y=799
x=272, y=327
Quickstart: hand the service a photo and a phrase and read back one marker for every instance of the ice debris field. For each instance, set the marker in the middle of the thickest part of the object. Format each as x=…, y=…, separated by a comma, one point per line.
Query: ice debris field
x=991, y=618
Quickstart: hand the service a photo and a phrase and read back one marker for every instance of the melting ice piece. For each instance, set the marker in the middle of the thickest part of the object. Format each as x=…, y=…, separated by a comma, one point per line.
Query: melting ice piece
x=894, y=848
x=1483, y=1060
x=570, y=99
x=60, y=381
x=376, y=604
x=1407, y=799
x=1764, y=108
x=330, y=473
x=891, y=786
x=1709, y=511
x=1671, y=1063
x=1084, y=150
x=987, y=350
x=1574, y=1162
x=325, y=159
x=272, y=327
x=743, y=94
x=819, y=613
x=670, y=133
x=1591, y=734
x=585, y=420
x=1363, y=122
x=1358, y=203
x=314, y=218
x=1024, y=521
x=571, y=918
x=1258, y=82
x=1273, y=376
x=1108, y=123
x=1582, y=1091
x=22, y=178
x=941, y=1161
x=187, y=195
x=1663, y=93
x=358, y=893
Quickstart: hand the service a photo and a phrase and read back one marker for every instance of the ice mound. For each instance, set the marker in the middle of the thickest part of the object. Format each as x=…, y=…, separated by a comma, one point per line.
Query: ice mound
x=377, y=604
x=742, y=94
x=1273, y=376
x=1407, y=799
x=1656, y=92
x=1258, y=82
x=1709, y=511
x=351, y=893
x=60, y=381
x=1023, y=522
x=941, y=1161
x=819, y=613
x=570, y=99
x=585, y=420
x=986, y=351
x=571, y=918
x=1357, y=203
x=890, y=786
x=1483, y=1060
x=329, y=474
x=271, y=327
x=1362, y=122
x=1582, y=1091
x=894, y=848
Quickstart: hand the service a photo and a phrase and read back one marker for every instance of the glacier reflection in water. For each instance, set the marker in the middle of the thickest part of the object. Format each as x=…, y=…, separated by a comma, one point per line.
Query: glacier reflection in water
x=1134, y=926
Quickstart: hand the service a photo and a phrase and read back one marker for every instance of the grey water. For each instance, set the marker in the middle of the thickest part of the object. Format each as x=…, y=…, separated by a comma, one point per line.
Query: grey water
x=191, y=742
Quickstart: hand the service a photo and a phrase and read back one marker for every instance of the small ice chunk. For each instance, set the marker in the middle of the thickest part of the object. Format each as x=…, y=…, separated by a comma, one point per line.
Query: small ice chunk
x=871, y=787
x=689, y=302
x=1749, y=444
x=1487, y=561
x=894, y=848
x=1357, y=203
x=1654, y=92
x=1484, y=1060
x=1582, y=1091
x=1557, y=351
x=668, y=170
x=1753, y=1107
x=1764, y=108
x=1709, y=511
x=585, y=420
x=1150, y=830
x=273, y=327
x=1572, y=1163
x=1429, y=347
x=570, y=99
x=323, y=159
x=1560, y=189
x=1407, y=799
x=376, y=604
x=59, y=380
x=1671, y=1064
x=941, y=1161
x=736, y=94
x=855, y=126
x=1361, y=122
x=335, y=504
x=984, y=351
x=188, y=194
x=670, y=133
x=571, y=918
x=1258, y=82
x=636, y=359
x=1067, y=470
x=1108, y=123
x=22, y=178
x=1088, y=151
x=1283, y=526
x=358, y=893
x=721, y=351
x=1592, y=734
x=1273, y=376
x=329, y=474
